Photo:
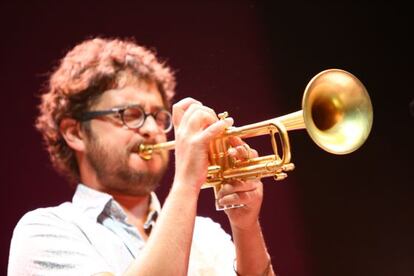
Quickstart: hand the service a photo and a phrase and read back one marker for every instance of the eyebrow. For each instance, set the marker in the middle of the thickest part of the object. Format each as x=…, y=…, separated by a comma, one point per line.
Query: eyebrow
x=126, y=105
x=153, y=108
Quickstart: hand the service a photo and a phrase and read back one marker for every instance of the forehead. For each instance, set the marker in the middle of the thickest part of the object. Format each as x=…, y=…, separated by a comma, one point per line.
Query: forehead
x=142, y=92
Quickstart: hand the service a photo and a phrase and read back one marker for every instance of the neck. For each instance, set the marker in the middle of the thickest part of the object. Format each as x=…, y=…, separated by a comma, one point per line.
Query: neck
x=135, y=206
x=136, y=209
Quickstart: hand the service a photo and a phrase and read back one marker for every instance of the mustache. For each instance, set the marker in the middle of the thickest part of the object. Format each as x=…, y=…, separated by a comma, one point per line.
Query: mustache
x=135, y=145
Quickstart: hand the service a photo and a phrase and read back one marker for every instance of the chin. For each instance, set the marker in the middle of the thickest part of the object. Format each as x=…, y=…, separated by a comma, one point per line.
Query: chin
x=157, y=164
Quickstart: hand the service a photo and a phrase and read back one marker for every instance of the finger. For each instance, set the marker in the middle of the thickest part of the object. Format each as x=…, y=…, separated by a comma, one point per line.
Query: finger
x=242, y=152
x=180, y=107
x=254, y=153
x=244, y=198
x=199, y=117
x=216, y=129
x=238, y=186
x=235, y=141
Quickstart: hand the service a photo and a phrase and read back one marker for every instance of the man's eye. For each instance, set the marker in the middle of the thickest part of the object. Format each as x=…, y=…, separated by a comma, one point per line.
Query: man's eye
x=133, y=114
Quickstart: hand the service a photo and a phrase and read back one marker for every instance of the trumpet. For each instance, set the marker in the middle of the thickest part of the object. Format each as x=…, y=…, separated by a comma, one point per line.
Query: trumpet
x=336, y=112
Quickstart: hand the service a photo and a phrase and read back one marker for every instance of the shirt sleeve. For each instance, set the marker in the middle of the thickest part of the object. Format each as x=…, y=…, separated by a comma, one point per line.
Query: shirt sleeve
x=213, y=251
x=45, y=244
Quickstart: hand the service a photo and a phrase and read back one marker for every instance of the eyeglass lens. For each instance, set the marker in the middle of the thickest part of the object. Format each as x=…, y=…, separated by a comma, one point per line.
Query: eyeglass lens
x=134, y=117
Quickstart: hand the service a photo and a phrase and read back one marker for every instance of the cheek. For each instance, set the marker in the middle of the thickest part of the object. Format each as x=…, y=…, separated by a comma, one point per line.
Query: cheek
x=111, y=139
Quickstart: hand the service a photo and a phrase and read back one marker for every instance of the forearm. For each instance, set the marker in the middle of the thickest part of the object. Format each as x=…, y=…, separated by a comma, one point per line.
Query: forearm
x=168, y=248
x=251, y=252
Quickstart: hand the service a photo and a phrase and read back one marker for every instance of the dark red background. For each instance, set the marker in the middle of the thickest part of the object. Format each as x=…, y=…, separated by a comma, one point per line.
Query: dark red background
x=333, y=215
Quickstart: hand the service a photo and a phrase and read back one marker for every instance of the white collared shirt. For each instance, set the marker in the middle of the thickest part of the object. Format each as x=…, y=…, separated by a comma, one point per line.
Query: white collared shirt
x=91, y=235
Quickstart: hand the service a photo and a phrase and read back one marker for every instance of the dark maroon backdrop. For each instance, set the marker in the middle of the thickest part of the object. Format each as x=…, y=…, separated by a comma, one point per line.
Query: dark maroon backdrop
x=334, y=215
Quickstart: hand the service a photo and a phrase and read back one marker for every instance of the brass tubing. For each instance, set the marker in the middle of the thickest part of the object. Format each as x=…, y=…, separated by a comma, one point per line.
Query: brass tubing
x=336, y=112
x=292, y=121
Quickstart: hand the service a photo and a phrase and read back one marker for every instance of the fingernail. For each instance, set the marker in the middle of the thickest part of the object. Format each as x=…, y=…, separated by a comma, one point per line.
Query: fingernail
x=229, y=121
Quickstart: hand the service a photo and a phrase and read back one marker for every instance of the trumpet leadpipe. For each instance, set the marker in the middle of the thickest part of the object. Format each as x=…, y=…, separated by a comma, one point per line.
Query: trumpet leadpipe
x=292, y=121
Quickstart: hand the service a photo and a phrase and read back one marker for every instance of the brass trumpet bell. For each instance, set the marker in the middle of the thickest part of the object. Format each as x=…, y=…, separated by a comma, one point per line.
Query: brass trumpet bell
x=337, y=111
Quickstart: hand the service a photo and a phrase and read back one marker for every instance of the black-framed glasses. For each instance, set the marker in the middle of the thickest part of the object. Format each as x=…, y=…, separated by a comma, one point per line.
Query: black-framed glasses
x=133, y=116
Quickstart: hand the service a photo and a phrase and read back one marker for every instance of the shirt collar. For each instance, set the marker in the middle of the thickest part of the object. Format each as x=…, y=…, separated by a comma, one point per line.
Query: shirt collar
x=93, y=203
x=153, y=212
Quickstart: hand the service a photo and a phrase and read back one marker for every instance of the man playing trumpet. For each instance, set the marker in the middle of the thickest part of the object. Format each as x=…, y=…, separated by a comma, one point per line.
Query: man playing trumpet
x=106, y=98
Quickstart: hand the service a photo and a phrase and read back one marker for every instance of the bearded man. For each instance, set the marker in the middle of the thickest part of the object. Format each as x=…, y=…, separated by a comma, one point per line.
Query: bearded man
x=106, y=98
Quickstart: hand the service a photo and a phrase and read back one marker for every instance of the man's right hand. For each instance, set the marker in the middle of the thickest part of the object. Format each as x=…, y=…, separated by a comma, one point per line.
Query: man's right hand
x=195, y=126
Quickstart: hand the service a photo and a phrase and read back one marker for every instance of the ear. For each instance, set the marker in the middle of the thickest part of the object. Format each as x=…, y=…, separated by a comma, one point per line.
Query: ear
x=72, y=133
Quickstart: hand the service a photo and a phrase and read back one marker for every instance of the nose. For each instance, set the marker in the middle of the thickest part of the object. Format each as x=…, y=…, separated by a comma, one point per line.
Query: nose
x=150, y=128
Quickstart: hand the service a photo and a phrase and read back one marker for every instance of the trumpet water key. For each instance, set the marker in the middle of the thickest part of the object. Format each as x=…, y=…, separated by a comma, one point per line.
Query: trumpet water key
x=336, y=112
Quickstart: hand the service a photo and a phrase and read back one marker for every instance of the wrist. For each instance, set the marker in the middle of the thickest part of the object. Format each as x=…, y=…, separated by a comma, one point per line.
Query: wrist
x=184, y=188
x=265, y=272
x=246, y=227
x=182, y=199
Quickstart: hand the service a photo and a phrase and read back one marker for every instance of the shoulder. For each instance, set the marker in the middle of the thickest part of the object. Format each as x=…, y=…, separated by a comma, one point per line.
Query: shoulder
x=44, y=226
x=38, y=224
x=48, y=240
x=47, y=216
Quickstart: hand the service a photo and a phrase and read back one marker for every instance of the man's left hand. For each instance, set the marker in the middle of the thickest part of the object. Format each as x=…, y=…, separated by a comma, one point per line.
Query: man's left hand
x=246, y=192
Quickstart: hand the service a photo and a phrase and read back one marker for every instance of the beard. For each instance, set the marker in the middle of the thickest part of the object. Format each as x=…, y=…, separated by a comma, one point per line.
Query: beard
x=115, y=173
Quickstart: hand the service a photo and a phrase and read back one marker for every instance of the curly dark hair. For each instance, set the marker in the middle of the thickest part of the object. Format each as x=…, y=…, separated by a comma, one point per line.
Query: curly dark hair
x=88, y=70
